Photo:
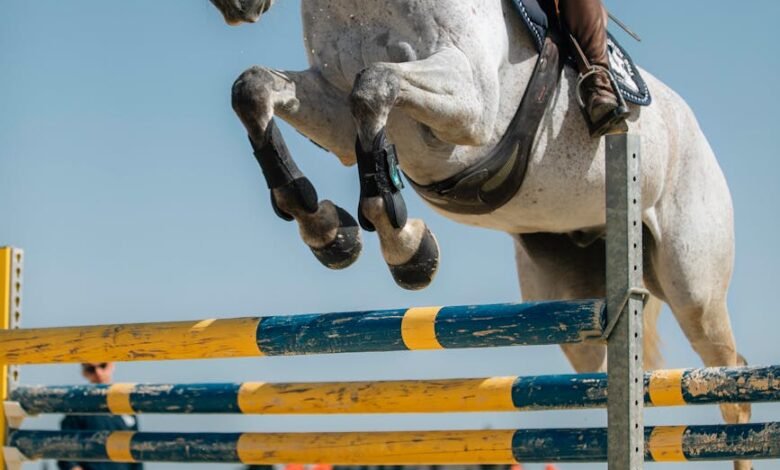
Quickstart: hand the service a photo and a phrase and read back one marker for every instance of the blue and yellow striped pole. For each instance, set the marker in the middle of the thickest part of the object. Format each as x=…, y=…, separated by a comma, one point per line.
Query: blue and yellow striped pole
x=662, y=388
x=663, y=444
x=534, y=323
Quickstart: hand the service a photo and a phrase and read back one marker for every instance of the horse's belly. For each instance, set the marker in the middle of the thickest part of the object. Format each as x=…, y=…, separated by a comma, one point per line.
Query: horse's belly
x=548, y=208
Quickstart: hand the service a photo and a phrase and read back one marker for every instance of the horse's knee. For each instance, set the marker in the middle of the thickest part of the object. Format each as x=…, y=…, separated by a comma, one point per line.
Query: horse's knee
x=374, y=93
x=257, y=92
x=249, y=89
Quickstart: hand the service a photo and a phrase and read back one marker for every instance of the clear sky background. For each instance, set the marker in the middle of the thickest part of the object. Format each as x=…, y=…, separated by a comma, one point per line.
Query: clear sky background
x=130, y=184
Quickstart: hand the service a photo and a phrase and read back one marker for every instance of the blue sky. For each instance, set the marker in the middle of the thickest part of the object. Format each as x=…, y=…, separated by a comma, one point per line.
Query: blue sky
x=129, y=182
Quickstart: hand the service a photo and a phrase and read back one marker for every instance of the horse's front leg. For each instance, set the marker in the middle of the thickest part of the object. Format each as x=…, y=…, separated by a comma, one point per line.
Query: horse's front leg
x=454, y=99
x=307, y=102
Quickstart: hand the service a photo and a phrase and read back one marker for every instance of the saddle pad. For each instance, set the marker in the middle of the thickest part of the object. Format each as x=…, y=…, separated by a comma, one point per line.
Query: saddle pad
x=632, y=85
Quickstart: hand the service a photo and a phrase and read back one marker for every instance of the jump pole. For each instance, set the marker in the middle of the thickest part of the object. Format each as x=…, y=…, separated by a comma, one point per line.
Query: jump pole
x=705, y=386
x=501, y=446
x=404, y=329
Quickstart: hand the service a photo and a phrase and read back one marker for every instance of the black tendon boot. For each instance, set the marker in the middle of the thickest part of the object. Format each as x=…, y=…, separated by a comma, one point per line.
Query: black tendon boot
x=380, y=177
x=281, y=173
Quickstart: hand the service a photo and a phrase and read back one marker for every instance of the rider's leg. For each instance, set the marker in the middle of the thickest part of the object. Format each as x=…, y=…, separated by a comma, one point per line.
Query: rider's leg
x=586, y=20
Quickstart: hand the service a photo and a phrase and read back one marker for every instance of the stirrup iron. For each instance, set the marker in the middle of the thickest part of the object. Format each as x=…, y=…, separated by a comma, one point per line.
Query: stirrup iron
x=613, y=122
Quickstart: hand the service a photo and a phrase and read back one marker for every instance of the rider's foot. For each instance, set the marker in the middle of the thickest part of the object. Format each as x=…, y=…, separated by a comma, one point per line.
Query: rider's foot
x=605, y=112
x=600, y=99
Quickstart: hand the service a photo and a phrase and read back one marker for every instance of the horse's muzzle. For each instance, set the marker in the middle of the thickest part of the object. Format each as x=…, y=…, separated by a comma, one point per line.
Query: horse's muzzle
x=239, y=12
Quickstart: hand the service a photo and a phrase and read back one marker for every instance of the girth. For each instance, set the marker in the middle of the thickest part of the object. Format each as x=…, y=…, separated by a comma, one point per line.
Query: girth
x=492, y=182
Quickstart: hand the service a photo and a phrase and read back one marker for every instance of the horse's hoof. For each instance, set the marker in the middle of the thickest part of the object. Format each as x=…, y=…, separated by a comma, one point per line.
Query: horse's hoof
x=345, y=248
x=419, y=271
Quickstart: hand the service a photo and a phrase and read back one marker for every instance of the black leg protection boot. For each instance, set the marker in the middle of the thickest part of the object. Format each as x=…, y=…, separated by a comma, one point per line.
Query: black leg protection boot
x=281, y=173
x=380, y=177
x=288, y=183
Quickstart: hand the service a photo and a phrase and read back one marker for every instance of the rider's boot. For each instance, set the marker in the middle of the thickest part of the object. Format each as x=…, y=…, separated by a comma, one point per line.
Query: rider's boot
x=604, y=109
x=599, y=97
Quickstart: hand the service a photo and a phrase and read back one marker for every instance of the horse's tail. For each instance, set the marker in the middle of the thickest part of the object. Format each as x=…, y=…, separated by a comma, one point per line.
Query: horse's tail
x=652, y=340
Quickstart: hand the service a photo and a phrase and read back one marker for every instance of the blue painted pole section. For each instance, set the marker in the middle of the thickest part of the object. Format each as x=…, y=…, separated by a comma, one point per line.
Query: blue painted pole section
x=695, y=443
x=556, y=392
x=341, y=332
x=536, y=323
x=144, y=398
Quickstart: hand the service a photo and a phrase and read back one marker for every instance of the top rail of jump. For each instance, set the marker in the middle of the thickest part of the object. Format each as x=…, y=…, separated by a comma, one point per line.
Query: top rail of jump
x=536, y=323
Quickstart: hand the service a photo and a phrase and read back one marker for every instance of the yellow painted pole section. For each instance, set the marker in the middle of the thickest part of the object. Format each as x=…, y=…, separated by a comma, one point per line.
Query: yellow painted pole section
x=418, y=328
x=5, y=323
x=430, y=396
x=134, y=342
x=665, y=444
x=118, y=446
x=378, y=448
x=118, y=399
x=665, y=388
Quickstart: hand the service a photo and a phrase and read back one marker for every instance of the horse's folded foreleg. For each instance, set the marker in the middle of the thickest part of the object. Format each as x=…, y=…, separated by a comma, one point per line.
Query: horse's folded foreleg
x=454, y=99
x=409, y=248
x=258, y=94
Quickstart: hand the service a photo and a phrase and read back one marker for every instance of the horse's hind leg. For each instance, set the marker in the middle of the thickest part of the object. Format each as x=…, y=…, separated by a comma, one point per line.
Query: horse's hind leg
x=304, y=100
x=703, y=317
x=693, y=259
x=443, y=93
x=552, y=266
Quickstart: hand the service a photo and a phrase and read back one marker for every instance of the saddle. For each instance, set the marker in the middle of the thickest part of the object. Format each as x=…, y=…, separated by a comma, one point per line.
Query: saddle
x=629, y=80
x=491, y=183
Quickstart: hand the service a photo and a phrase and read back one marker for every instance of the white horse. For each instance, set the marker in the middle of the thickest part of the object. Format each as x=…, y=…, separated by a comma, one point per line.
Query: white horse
x=444, y=78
